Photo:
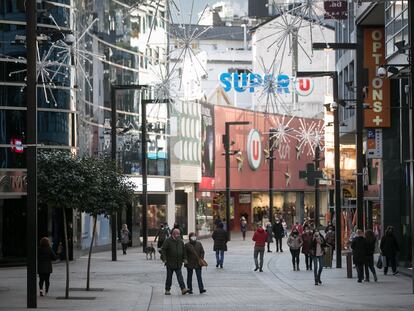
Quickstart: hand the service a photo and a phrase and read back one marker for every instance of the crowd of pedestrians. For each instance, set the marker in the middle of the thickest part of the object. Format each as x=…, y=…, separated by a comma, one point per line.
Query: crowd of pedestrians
x=316, y=248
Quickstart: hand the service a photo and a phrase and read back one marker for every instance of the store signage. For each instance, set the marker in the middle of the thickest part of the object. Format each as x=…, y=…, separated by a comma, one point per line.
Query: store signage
x=13, y=182
x=374, y=144
x=245, y=198
x=378, y=91
x=254, y=149
x=153, y=184
x=17, y=145
x=336, y=9
x=283, y=84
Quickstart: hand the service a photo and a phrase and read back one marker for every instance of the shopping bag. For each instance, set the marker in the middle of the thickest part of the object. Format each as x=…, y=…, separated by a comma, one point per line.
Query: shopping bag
x=379, y=262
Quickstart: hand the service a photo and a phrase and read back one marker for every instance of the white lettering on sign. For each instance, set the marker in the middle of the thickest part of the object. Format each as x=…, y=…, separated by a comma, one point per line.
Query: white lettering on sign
x=377, y=83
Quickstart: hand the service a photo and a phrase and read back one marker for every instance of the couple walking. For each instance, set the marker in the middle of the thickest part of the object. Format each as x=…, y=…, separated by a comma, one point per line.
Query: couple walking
x=174, y=253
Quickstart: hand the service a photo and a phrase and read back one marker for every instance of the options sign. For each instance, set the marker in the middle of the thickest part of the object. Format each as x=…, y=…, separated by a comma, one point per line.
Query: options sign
x=254, y=149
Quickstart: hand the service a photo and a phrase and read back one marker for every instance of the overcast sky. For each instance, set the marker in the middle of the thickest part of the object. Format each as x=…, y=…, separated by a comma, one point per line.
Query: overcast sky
x=200, y=4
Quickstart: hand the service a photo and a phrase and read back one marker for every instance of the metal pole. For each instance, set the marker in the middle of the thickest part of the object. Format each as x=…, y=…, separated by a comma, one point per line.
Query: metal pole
x=338, y=210
x=317, y=214
x=359, y=131
x=411, y=86
x=31, y=238
x=271, y=168
x=227, y=151
x=113, y=157
x=144, y=171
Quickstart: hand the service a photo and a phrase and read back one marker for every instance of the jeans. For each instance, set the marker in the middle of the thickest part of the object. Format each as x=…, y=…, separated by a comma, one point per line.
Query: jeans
x=220, y=258
x=190, y=279
x=390, y=261
x=370, y=264
x=295, y=257
x=258, y=250
x=179, y=275
x=308, y=261
x=359, y=265
x=44, y=278
x=317, y=271
x=279, y=244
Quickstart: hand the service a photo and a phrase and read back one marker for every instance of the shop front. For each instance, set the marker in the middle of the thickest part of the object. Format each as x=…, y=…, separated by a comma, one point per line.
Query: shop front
x=249, y=174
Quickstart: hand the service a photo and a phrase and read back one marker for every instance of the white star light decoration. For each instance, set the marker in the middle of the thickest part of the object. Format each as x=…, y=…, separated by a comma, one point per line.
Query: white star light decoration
x=184, y=55
x=283, y=133
x=310, y=135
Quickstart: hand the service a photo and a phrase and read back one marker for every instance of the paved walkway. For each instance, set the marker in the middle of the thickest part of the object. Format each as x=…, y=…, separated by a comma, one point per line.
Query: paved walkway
x=133, y=283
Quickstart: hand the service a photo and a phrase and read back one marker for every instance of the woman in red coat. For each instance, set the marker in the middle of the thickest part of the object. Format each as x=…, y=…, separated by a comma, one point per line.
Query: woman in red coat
x=260, y=237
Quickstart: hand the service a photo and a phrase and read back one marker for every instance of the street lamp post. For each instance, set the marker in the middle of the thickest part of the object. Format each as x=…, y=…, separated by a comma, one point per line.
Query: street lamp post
x=317, y=210
x=31, y=240
x=411, y=86
x=114, y=89
x=227, y=154
x=338, y=211
x=271, y=168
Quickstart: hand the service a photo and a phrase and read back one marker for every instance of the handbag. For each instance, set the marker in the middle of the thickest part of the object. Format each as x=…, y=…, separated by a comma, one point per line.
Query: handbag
x=201, y=261
x=379, y=262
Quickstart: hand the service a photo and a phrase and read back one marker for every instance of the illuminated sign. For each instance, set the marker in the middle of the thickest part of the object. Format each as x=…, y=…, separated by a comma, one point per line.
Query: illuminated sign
x=17, y=145
x=254, y=149
x=281, y=84
x=378, y=96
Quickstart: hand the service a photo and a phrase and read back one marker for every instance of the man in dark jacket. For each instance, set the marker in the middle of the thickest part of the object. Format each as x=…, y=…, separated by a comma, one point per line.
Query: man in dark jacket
x=220, y=238
x=279, y=233
x=389, y=248
x=173, y=255
x=359, y=253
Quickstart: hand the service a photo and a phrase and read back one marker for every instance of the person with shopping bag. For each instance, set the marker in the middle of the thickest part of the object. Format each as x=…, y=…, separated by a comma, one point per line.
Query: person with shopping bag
x=195, y=262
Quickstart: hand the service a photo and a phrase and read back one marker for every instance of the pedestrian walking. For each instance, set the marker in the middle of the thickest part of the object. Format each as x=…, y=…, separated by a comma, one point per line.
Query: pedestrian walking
x=161, y=236
x=173, y=254
x=243, y=227
x=389, y=248
x=278, y=233
x=307, y=237
x=329, y=248
x=45, y=257
x=125, y=238
x=260, y=239
x=177, y=226
x=269, y=236
x=317, y=251
x=295, y=242
x=371, y=242
x=284, y=225
x=359, y=253
x=194, y=251
x=220, y=238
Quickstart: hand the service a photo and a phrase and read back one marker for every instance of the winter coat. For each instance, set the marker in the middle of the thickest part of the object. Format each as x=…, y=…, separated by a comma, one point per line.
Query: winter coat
x=330, y=239
x=220, y=238
x=389, y=245
x=359, y=249
x=260, y=237
x=371, y=246
x=307, y=241
x=278, y=230
x=162, y=234
x=124, y=236
x=295, y=242
x=173, y=253
x=269, y=234
x=45, y=256
x=191, y=249
x=314, y=244
x=243, y=225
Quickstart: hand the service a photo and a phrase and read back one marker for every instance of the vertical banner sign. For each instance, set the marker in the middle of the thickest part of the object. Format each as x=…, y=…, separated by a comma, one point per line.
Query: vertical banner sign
x=374, y=144
x=254, y=149
x=336, y=9
x=378, y=96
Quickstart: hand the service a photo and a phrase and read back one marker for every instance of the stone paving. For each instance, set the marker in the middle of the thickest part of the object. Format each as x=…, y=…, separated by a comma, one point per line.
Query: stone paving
x=133, y=283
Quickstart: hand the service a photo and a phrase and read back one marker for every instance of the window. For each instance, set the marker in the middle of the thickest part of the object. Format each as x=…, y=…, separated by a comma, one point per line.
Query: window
x=396, y=24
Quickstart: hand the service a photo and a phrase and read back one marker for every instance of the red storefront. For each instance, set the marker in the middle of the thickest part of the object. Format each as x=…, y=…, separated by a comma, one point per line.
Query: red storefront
x=293, y=198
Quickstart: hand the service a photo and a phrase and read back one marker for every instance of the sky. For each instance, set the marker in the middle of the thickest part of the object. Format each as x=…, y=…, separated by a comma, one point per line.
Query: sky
x=200, y=4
